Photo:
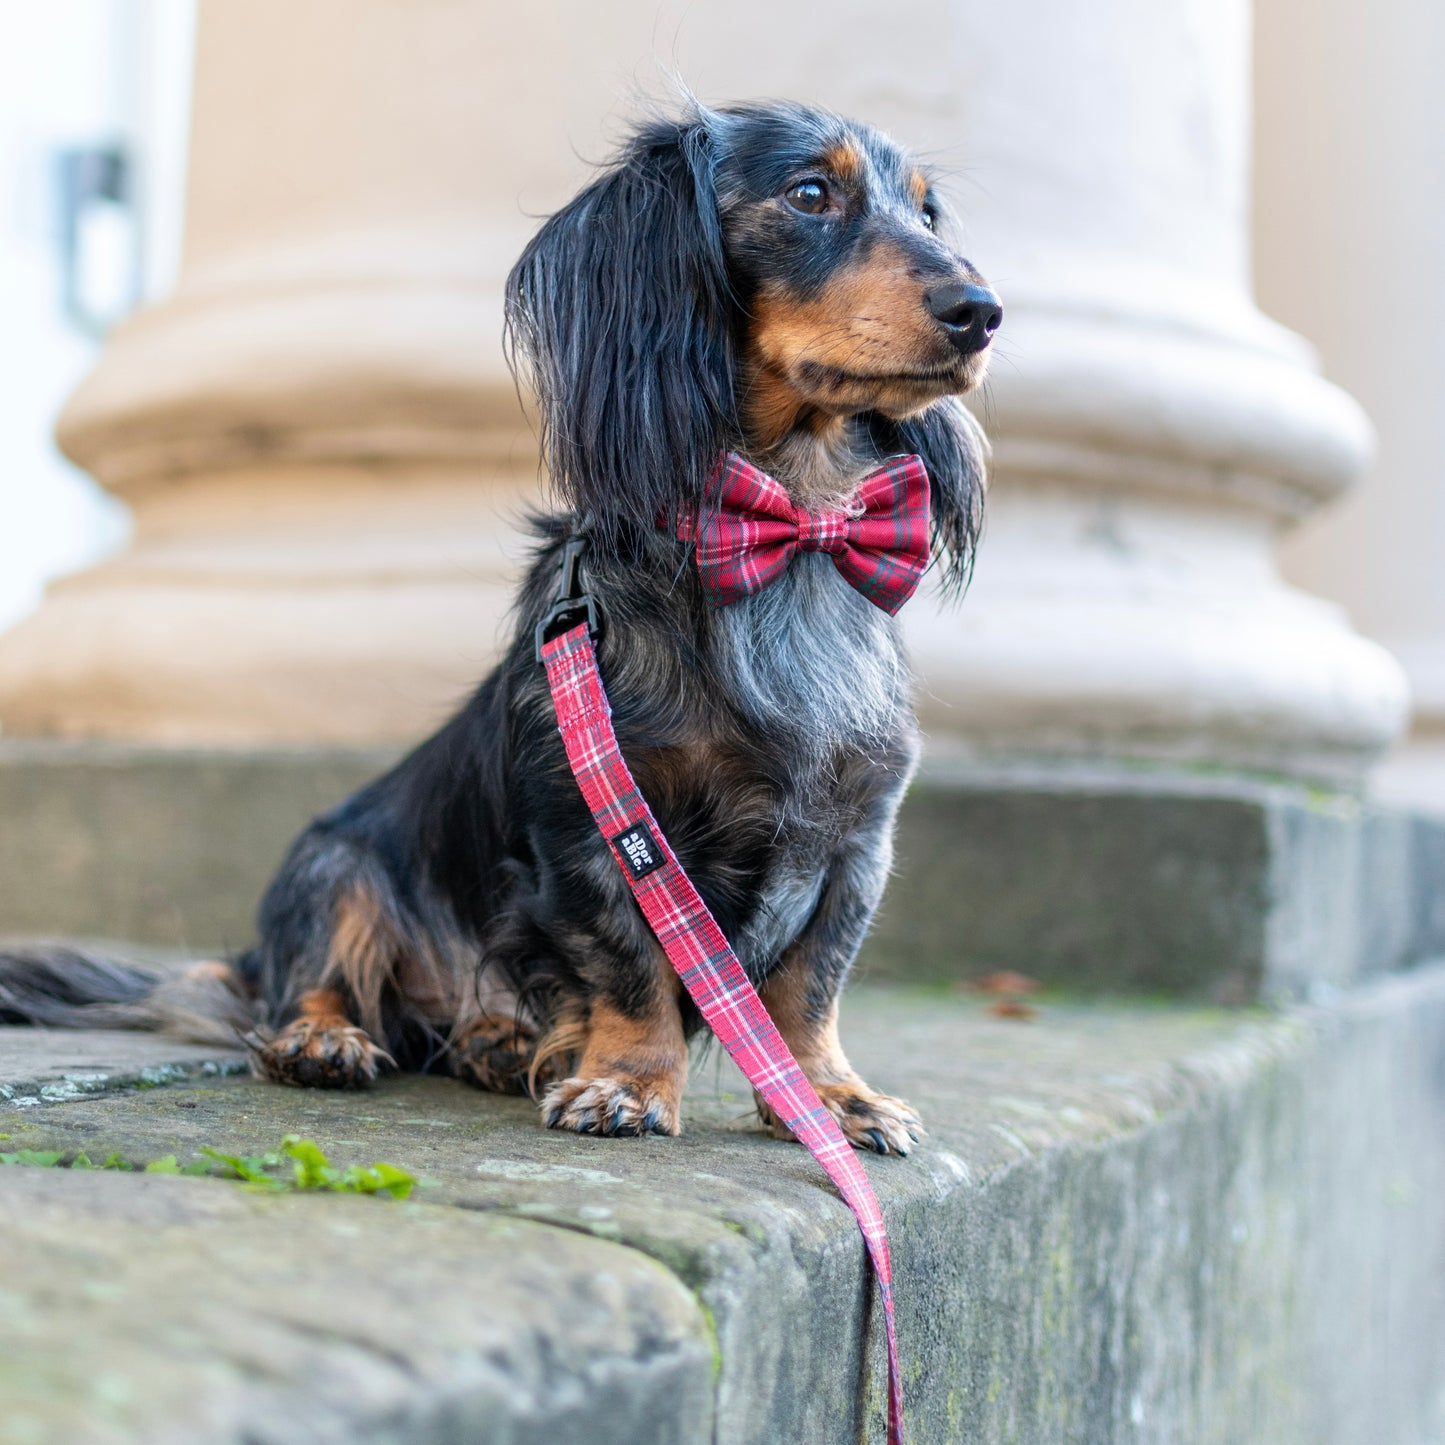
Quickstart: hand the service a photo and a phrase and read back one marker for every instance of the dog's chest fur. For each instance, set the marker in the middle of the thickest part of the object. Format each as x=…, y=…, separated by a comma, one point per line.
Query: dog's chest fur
x=788, y=754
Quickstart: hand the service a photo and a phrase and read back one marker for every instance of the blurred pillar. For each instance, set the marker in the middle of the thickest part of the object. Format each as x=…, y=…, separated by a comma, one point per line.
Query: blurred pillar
x=1154, y=432
x=316, y=432
x=1349, y=240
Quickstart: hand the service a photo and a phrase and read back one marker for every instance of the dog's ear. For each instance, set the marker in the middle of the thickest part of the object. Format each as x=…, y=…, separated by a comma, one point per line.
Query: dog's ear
x=620, y=312
x=955, y=451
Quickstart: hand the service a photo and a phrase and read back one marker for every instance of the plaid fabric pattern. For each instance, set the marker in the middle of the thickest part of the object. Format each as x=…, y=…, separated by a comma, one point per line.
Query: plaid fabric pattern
x=705, y=962
x=879, y=543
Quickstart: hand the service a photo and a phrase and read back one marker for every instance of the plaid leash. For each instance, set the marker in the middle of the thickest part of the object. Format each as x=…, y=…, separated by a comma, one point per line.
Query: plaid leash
x=695, y=944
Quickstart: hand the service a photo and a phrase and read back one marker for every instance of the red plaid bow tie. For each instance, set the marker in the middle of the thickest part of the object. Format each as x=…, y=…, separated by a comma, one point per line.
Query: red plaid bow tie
x=880, y=544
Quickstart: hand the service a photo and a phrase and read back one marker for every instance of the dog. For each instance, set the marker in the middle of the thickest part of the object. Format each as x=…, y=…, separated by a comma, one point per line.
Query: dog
x=766, y=282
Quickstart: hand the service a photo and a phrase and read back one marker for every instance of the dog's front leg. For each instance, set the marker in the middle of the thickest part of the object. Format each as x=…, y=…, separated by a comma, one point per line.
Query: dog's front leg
x=801, y=994
x=631, y=1056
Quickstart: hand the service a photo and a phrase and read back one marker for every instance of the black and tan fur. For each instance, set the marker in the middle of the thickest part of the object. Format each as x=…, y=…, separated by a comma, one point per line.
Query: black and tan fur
x=770, y=279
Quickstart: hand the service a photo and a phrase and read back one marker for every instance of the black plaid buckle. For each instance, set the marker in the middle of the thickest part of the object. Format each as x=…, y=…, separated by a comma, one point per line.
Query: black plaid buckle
x=571, y=605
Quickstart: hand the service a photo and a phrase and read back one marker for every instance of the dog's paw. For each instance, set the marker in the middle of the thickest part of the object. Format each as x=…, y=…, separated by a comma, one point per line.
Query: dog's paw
x=316, y=1053
x=868, y=1120
x=619, y=1107
x=495, y=1052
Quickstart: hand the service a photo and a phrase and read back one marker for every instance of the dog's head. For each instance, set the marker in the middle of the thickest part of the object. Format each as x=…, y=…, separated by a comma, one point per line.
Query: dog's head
x=737, y=276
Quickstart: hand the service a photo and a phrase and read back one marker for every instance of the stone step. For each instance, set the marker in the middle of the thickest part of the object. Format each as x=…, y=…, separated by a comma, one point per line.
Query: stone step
x=1127, y=1223
x=1164, y=880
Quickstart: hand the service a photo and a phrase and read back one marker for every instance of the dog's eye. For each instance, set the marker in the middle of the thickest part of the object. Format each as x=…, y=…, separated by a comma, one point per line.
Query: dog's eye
x=809, y=197
x=930, y=218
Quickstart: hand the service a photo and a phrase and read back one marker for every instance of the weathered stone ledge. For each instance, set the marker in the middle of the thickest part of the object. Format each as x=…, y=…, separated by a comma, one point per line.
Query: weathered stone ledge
x=1127, y=1223
x=40, y=1066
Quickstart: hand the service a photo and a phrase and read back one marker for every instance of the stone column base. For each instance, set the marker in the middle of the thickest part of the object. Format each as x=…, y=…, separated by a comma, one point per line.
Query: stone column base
x=322, y=604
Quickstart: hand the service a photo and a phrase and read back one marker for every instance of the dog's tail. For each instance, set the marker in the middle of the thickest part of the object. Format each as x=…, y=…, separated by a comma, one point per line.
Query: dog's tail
x=57, y=987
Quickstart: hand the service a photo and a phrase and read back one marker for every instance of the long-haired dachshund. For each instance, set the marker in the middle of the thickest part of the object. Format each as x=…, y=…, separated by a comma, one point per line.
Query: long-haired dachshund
x=767, y=280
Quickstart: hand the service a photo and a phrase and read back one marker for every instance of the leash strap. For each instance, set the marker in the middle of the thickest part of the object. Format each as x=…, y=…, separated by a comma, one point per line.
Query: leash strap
x=701, y=955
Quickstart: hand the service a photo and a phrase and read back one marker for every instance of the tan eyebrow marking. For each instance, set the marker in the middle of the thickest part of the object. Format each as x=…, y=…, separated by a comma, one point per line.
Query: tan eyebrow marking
x=845, y=161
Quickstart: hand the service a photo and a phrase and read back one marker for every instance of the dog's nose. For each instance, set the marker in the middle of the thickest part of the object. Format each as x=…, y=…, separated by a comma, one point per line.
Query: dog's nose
x=970, y=313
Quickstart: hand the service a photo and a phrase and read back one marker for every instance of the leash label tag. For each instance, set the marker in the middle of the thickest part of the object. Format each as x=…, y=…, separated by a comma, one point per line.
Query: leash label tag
x=639, y=851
